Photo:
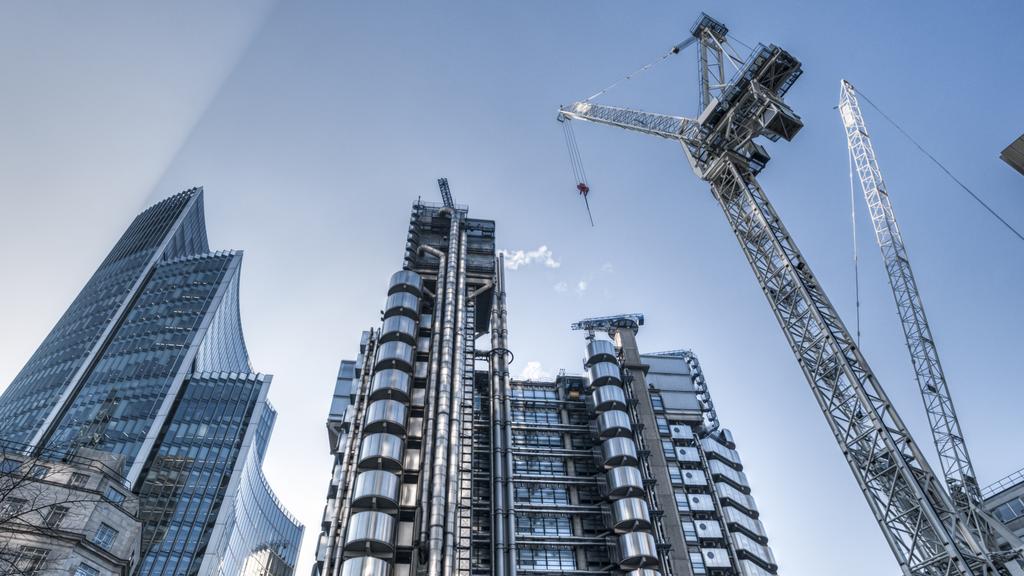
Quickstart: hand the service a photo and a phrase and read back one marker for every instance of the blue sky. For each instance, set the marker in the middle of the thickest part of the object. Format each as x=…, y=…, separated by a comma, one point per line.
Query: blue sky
x=315, y=125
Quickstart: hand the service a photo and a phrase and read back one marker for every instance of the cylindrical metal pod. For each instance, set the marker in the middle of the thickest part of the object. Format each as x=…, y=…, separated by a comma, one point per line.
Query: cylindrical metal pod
x=602, y=373
x=403, y=304
x=365, y=566
x=619, y=452
x=624, y=482
x=637, y=550
x=381, y=452
x=390, y=383
x=386, y=416
x=600, y=351
x=643, y=572
x=631, y=514
x=396, y=355
x=608, y=397
x=377, y=490
x=371, y=533
x=614, y=423
x=406, y=281
x=398, y=328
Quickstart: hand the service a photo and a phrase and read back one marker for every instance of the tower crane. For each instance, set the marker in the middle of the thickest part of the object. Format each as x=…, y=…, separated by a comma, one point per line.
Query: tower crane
x=954, y=457
x=918, y=518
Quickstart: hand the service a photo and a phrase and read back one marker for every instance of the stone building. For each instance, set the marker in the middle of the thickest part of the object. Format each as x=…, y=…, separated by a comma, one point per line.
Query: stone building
x=67, y=514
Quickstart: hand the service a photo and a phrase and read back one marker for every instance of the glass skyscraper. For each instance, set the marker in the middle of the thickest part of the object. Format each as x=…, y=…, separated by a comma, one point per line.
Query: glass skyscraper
x=149, y=362
x=445, y=465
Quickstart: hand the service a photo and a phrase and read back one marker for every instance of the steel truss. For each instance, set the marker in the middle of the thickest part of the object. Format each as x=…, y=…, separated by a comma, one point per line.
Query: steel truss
x=916, y=516
x=949, y=440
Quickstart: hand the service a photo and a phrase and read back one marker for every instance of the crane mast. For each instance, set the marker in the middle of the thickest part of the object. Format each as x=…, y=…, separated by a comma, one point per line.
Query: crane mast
x=949, y=440
x=917, y=517
x=950, y=445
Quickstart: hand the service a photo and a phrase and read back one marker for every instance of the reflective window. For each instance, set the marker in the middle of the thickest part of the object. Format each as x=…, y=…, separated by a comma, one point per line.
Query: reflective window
x=547, y=558
x=681, y=504
x=697, y=562
x=537, y=415
x=78, y=480
x=541, y=493
x=55, y=516
x=663, y=428
x=35, y=390
x=536, y=392
x=31, y=560
x=543, y=524
x=537, y=438
x=86, y=570
x=1011, y=510
x=539, y=465
x=689, y=532
x=114, y=495
x=105, y=536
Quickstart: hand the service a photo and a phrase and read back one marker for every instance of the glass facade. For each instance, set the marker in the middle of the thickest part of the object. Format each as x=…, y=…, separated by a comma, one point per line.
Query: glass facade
x=148, y=355
x=37, y=389
x=150, y=362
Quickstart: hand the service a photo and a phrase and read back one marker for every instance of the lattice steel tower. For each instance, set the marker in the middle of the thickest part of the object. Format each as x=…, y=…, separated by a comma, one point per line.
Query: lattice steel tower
x=917, y=517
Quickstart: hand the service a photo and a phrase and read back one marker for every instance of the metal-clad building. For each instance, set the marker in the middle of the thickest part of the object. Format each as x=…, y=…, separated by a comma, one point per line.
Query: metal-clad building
x=444, y=464
x=1014, y=154
x=149, y=363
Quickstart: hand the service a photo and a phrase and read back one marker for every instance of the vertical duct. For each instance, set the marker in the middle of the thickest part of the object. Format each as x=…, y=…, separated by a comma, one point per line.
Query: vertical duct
x=439, y=480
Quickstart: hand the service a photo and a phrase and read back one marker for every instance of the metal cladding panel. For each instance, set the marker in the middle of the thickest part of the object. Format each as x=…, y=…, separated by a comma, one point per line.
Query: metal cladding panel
x=721, y=471
x=619, y=452
x=609, y=397
x=365, y=566
x=681, y=432
x=371, y=533
x=402, y=303
x=755, y=551
x=406, y=281
x=751, y=569
x=713, y=449
x=708, y=529
x=421, y=369
x=631, y=514
x=643, y=572
x=637, y=550
x=726, y=491
x=687, y=454
x=700, y=502
x=740, y=520
x=600, y=351
x=625, y=481
x=409, y=494
x=715, y=557
x=390, y=383
x=602, y=373
x=695, y=478
x=386, y=416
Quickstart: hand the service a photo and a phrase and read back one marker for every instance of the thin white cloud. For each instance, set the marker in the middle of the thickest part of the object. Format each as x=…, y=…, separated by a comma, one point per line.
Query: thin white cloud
x=534, y=371
x=581, y=286
x=607, y=268
x=562, y=287
x=516, y=259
